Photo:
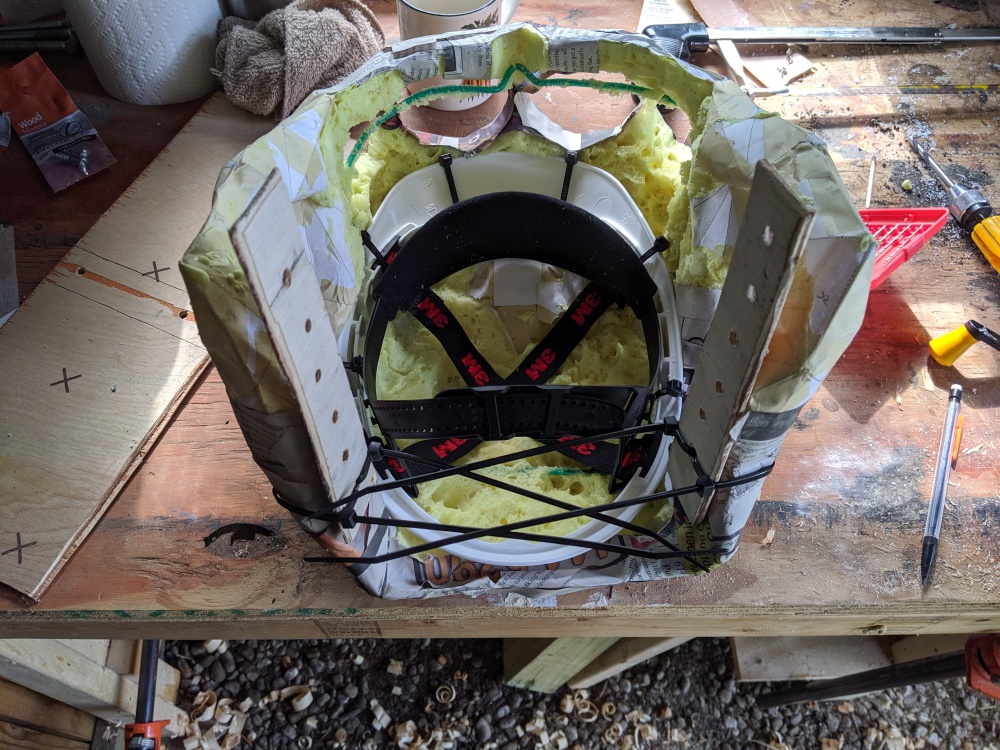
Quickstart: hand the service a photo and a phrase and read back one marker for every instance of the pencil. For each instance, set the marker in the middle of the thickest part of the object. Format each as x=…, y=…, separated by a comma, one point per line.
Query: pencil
x=932, y=531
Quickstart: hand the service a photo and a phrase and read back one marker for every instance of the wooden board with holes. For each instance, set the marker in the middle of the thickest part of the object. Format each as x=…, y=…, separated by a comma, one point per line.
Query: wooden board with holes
x=101, y=353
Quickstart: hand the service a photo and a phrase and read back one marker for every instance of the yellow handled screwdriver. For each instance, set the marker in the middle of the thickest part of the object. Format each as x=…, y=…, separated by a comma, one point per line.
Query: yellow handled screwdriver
x=950, y=346
x=970, y=208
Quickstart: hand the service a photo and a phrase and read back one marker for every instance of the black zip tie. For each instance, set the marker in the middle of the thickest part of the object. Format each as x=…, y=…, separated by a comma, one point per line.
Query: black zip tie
x=571, y=159
x=673, y=388
x=659, y=245
x=445, y=161
x=380, y=259
x=537, y=496
x=355, y=365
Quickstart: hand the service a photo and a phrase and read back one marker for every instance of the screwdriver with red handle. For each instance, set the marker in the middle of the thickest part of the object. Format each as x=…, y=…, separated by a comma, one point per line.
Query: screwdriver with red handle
x=970, y=208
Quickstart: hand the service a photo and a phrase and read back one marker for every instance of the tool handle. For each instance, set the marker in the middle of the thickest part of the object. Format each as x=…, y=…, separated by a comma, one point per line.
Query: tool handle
x=986, y=235
x=679, y=39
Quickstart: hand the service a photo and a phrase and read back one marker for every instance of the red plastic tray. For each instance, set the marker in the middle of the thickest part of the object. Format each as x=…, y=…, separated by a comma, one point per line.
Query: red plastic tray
x=900, y=233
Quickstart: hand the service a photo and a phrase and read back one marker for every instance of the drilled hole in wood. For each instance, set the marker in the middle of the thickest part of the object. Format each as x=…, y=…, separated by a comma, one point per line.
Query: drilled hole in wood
x=347, y=454
x=286, y=277
x=319, y=374
x=751, y=294
x=336, y=416
x=718, y=387
x=733, y=338
x=701, y=413
x=768, y=237
x=183, y=314
x=309, y=325
x=81, y=270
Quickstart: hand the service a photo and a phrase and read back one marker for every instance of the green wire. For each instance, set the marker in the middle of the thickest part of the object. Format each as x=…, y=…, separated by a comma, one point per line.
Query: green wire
x=435, y=91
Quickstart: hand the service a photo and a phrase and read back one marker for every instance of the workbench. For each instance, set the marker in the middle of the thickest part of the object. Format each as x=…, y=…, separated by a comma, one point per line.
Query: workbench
x=846, y=500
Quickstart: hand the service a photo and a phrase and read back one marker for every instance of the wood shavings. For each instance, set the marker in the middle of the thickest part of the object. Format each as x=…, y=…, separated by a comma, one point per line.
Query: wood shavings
x=559, y=740
x=970, y=451
x=204, y=706
x=301, y=696
x=768, y=538
x=214, y=645
x=586, y=712
x=358, y=659
x=304, y=742
x=666, y=712
x=340, y=736
x=382, y=719
x=827, y=743
x=395, y=667
x=460, y=676
x=608, y=710
x=566, y=704
x=899, y=397
x=925, y=378
x=442, y=660
x=312, y=722
x=646, y=733
x=245, y=705
x=845, y=708
x=613, y=733
x=397, y=690
x=445, y=694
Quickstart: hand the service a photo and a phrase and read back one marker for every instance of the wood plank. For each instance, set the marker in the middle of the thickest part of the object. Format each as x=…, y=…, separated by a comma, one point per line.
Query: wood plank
x=924, y=646
x=770, y=244
x=14, y=737
x=95, y=649
x=26, y=708
x=101, y=353
x=794, y=658
x=625, y=654
x=62, y=674
x=545, y=665
x=124, y=656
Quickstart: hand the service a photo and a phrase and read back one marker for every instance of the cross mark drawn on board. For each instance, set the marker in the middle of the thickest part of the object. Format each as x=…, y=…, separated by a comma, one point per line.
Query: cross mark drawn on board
x=155, y=273
x=65, y=381
x=18, y=548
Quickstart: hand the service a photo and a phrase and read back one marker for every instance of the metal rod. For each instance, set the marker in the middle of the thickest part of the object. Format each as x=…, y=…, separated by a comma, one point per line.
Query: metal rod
x=929, y=161
x=146, y=697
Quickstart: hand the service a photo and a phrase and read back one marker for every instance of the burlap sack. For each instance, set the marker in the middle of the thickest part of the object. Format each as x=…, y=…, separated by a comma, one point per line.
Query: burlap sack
x=270, y=66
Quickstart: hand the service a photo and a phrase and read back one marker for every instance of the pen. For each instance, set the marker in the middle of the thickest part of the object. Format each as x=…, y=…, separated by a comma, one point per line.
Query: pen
x=933, y=528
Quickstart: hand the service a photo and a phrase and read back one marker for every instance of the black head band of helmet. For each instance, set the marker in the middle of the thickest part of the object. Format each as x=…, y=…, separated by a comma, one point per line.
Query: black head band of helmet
x=524, y=226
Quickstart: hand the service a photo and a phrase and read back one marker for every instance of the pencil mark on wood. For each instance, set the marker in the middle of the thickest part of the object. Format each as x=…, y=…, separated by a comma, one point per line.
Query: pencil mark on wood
x=156, y=271
x=18, y=548
x=65, y=380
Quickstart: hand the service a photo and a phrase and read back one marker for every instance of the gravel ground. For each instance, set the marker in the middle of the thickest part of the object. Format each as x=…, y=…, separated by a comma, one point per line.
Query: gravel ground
x=450, y=694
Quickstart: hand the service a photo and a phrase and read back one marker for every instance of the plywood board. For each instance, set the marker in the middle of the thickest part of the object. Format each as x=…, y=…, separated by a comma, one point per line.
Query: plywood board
x=102, y=352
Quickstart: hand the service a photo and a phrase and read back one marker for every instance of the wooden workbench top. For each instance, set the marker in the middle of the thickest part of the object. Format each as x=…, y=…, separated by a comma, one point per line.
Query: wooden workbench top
x=846, y=500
